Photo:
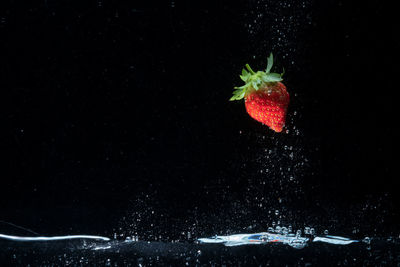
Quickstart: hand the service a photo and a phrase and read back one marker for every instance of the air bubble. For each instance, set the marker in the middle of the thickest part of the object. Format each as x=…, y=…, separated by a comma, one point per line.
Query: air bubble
x=306, y=230
x=367, y=240
x=312, y=231
x=298, y=233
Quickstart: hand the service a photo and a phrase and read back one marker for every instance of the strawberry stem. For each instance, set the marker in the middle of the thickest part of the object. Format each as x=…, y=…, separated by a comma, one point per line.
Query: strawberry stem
x=249, y=69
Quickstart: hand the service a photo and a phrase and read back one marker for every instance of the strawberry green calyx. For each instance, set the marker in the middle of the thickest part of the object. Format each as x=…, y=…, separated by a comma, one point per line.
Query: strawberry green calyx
x=256, y=80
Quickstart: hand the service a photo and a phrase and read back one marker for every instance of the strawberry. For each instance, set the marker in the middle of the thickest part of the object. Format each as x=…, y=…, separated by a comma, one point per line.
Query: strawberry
x=266, y=98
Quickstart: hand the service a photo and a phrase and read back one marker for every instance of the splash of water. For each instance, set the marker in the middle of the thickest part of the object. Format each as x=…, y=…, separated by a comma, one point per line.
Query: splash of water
x=292, y=240
x=52, y=238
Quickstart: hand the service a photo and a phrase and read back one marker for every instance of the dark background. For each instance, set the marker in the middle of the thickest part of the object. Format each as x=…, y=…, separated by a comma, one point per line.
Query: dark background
x=115, y=117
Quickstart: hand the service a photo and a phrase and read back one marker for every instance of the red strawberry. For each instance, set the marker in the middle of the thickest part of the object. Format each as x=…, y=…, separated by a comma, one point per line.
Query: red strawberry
x=266, y=98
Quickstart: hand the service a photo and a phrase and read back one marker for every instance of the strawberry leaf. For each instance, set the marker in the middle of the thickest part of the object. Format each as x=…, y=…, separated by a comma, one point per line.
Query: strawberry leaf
x=272, y=77
x=255, y=85
x=241, y=87
x=238, y=94
x=270, y=62
x=245, y=75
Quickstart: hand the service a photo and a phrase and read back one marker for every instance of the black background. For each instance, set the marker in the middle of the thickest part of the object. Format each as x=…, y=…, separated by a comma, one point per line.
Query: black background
x=117, y=108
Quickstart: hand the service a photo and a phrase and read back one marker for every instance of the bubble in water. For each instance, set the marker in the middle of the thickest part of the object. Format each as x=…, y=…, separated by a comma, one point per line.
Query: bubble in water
x=298, y=233
x=367, y=240
x=285, y=231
